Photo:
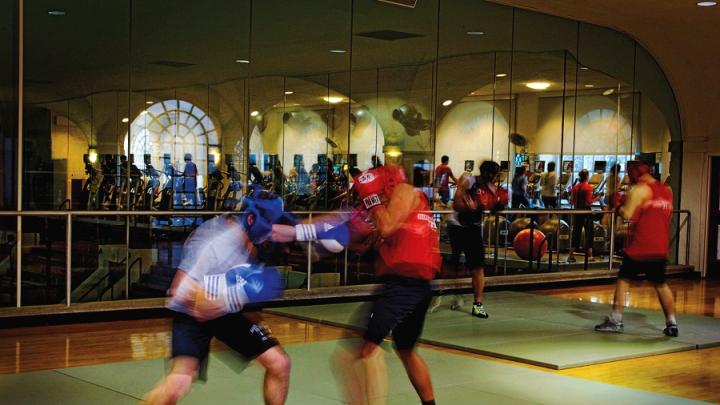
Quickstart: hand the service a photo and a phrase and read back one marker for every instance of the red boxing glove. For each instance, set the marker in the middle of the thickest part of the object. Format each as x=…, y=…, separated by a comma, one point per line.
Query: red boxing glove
x=617, y=200
x=502, y=198
x=369, y=186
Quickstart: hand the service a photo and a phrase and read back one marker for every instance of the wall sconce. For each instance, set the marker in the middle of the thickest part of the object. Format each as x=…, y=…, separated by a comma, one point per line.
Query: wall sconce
x=92, y=155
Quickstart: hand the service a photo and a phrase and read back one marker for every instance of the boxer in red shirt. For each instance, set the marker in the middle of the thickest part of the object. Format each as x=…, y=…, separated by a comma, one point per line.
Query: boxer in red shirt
x=582, y=198
x=409, y=257
x=648, y=206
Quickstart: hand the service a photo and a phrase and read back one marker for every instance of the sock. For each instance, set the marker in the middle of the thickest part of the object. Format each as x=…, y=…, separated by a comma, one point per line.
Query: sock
x=616, y=316
x=671, y=320
x=430, y=402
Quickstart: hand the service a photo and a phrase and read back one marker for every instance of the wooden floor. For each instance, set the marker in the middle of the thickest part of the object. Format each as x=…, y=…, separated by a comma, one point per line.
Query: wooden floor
x=692, y=374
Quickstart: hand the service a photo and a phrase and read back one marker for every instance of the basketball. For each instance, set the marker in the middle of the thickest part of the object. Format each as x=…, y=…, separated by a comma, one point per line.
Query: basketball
x=521, y=243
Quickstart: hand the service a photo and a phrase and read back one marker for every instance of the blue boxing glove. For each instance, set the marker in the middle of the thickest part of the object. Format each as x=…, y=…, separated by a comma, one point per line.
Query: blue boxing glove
x=242, y=285
x=333, y=237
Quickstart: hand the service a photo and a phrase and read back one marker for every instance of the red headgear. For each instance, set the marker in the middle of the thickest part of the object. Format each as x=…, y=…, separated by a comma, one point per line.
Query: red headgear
x=636, y=169
x=389, y=175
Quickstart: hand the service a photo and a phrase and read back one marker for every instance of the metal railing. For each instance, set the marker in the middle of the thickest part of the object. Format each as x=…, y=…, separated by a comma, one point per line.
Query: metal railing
x=69, y=215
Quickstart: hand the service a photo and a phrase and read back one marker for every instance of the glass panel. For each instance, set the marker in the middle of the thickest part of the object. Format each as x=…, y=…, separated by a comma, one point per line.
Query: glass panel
x=43, y=260
x=8, y=264
x=8, y=105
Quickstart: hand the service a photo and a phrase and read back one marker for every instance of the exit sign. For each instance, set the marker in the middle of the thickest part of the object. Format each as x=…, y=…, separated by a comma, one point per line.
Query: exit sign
x=404, y=3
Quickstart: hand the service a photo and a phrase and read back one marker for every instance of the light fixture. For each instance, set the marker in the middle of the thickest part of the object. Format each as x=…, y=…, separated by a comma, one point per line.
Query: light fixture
x=446, y=103
x=337, y=51
x=125, y=119
x=608, y=92
x=214, y=151
x=333, y=99
x=589, y=86
x=501, y=75
x=242, y=61
x=254, y=113
x=584, y=68
x=707, y=3
x=475, y=33
x=393, y=153
x=287, y=93
x=538, y=85
x=92, y=155
x=149, y=102
x=56, y=13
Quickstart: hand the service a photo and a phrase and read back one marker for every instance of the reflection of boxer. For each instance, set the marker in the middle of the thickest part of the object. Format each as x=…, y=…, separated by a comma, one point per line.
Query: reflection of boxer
x=216, y=277
x=470, y=202
x=409, y=257
x=649, y=208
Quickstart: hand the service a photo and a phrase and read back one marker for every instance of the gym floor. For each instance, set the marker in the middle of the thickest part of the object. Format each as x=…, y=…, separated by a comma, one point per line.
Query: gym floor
x=690, y=374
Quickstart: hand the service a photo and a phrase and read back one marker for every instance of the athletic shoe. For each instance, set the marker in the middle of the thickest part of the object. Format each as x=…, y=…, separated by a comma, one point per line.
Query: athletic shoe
x=609, y=326
x=671, y=330
x=457, y=304
x=435, y=304
x=479, y=311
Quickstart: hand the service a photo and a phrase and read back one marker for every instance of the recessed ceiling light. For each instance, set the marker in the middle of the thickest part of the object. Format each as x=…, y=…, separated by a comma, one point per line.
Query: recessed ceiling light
x=126, y=119
x=254, y=113
x=584, y=68
x=501, y=75
x=589, y=86
x=446, y=103
x=707, y=3
x=289, y=92
x=56, y=13
x=332, y=99
x=608, y=92
x=337, y=50
x=149, y=102
x=475, y=33
x=538, y=85
x=242, y=61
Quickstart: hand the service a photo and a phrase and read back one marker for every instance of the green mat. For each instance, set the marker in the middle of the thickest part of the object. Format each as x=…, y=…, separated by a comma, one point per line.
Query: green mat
x=534, y=329
x=457, y=380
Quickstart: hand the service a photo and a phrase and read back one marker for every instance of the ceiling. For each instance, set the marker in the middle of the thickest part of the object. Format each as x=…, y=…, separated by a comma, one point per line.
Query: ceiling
x=683, y=38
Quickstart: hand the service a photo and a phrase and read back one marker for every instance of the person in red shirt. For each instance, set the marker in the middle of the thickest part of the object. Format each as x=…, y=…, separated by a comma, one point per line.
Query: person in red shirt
x=581, y=196
x=649, y=207
x=443, y=175
x=408, y=258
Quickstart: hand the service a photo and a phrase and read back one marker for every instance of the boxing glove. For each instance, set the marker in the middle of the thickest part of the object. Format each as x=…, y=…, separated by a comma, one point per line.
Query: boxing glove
x=362, y=231
x=241, y=285
x=332, y=237
x=502, y=198
x=369, y=186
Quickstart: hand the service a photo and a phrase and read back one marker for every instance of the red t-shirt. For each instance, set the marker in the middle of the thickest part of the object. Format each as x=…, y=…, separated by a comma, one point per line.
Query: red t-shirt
x=649, y=236
x=442, y=176
x=582, y=195
x=414, y=250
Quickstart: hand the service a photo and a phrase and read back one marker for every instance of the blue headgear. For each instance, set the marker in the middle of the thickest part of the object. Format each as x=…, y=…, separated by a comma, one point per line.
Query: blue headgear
x=266, y=208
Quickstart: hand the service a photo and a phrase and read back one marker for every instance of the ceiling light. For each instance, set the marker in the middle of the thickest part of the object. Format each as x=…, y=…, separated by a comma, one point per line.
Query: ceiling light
x=92, y=155
x=584, y=68
x=707, y=3
x=242, y=61
x=287, y=93
x=538, y=85
x=333, y=100
x=254, y=113
x=501, y=75
x=337, y=51
x=446, y=103
x=149, y=102
x=56, y=13
x=608, y=92
x=475, y=33
x=126, y=119
x=393, y=153
x=589, y=86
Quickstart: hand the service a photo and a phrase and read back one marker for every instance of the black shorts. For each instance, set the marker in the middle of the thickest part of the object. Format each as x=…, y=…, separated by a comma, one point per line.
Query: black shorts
x=654, y=270
x=192, y=338
x=468, y=239
x=400, y=309
x=444, y=195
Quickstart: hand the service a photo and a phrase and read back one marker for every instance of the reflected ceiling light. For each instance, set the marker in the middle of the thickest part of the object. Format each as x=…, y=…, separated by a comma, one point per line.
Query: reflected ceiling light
x=332, y=99
x=149, y=102
x=584, y=68
x=92, y=155
x=254, y=113
x=475, y=33
x=589, y=86
x=337, y=51
x=393, y=153
x=501, y=75
x=126, y=119
x=242, y=61
x=538, y=85
x=446, y=103
x=608, y=92
x=287, y=93
x=56, y=13
x=707, y=3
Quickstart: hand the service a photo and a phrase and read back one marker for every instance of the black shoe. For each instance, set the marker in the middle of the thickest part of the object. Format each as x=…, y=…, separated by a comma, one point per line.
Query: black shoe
x=671, y=330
